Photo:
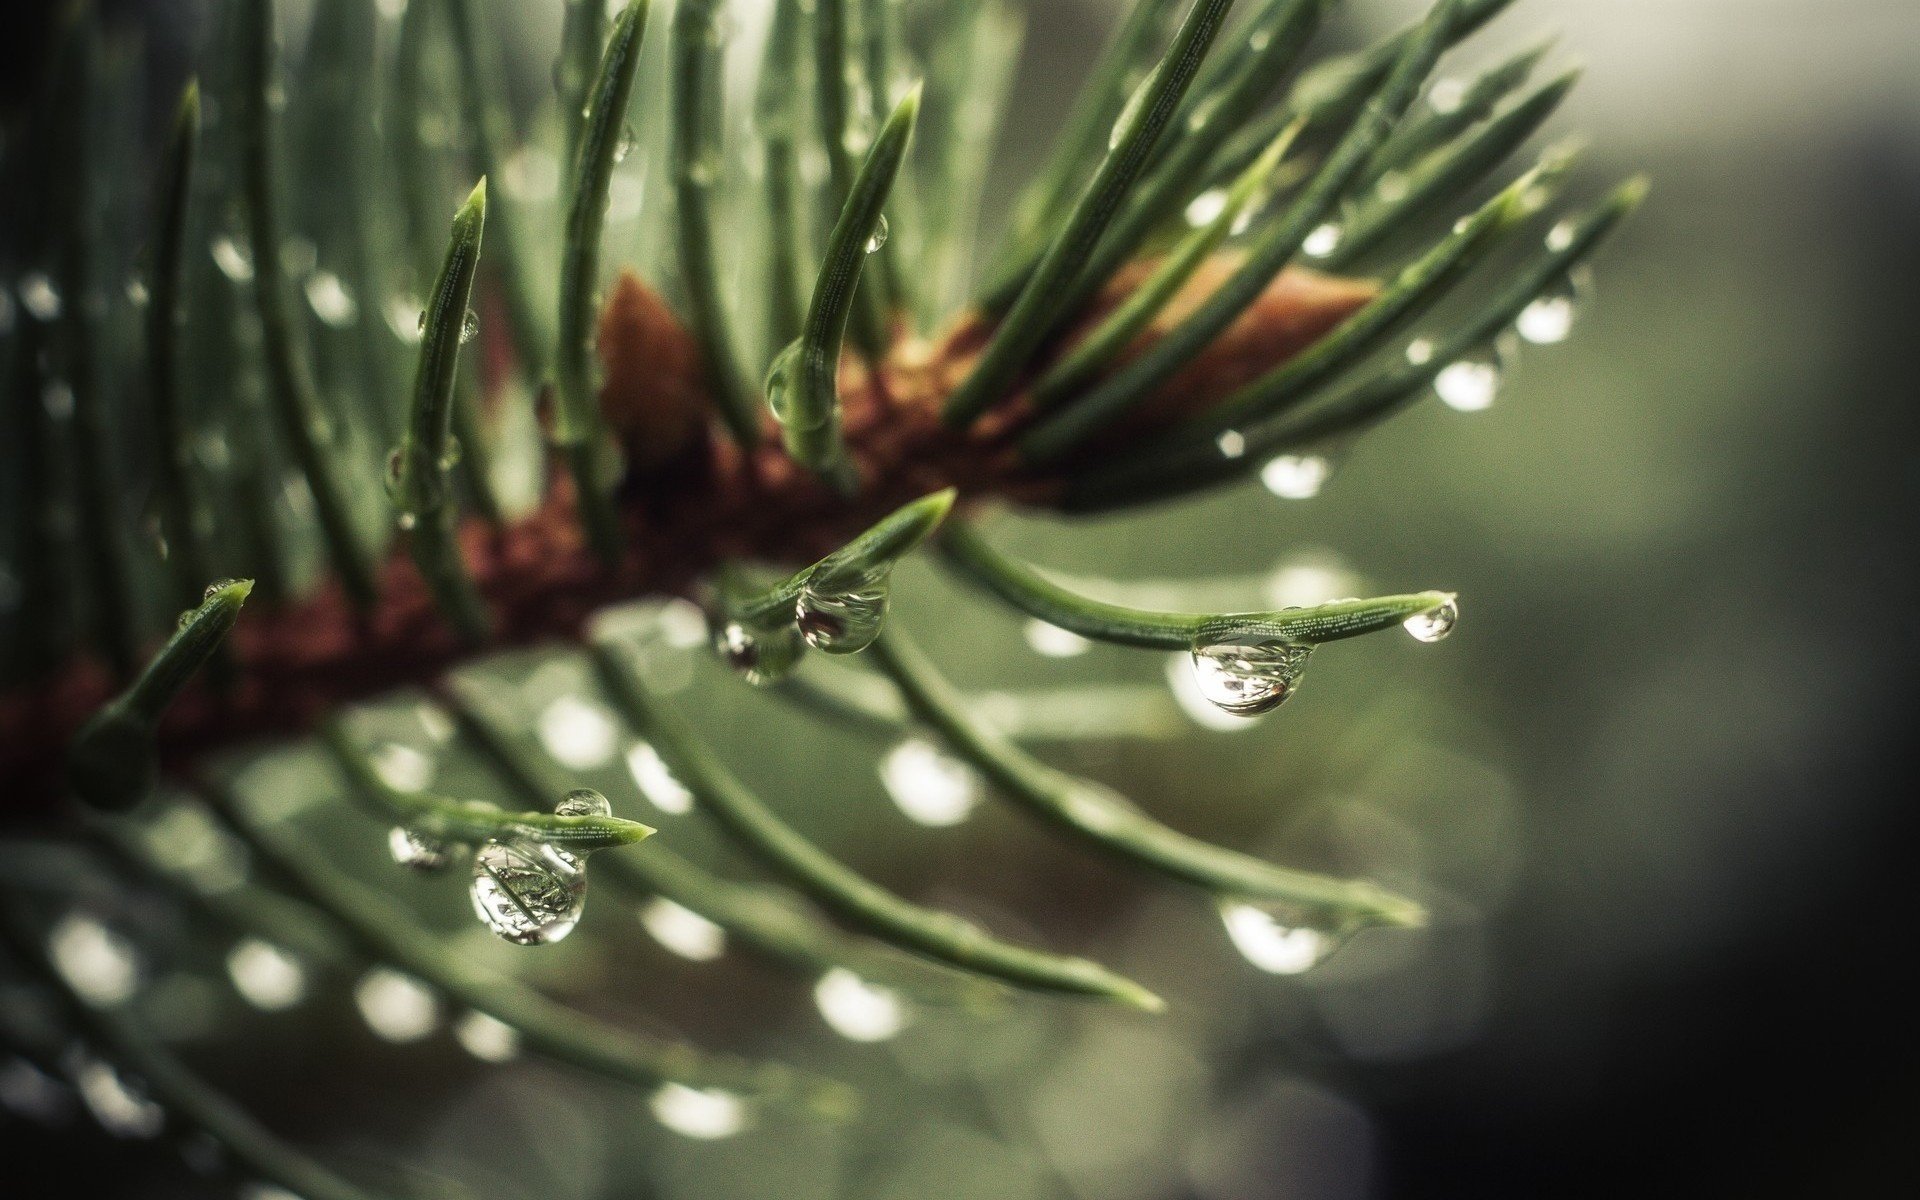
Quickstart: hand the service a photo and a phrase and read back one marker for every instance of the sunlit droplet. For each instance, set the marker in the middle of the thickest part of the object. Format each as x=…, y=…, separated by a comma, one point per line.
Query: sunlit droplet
x=1471, y=384
x=655, y=781
x=421, y=851
x=1247, y=677
x=1550, y=319
x=97, y=963
x=398, y=1008
x=878, y=237
x=1206, y=208
x=1296, y=476
x=266, y=976
x=1051, y=641
x=579, y=734
x=583, y=802
x=528, y=892
x=330, y=299
x=1273, y=945
x=116, y=1102
x=38, y=295
x=857, y=1010
x=1447, y=95
x=401, y=767
x=624, y=145
x=469, y=326
x=845, y=618
x=704, y=1114
x=1323, y=241
x=683, y=931
x=233, y=259
x=1560, y=237
x=487, y=1038
x=931, y=787
x=1436, y=623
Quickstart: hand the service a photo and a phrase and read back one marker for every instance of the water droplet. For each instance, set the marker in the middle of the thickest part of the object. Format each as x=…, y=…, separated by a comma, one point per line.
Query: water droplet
x=1322, y=241
x=878, y=237
x=1296, y=476
x=487, y=1038
x=683, y=931
x=579, y=734
x=116, y=1102
x=1392, y=187
x=401, y=767
x=1550, y=319
x=1248, y=677
x=624, y=145
x=331, y=300
x=704, y=1114
x=1260, y=39
x=1420, y=351
x=1124, y=122
x=1051, y=641
x=38, y=295
x=405, y=318
x=420, y=322
x=266, y=976
x=1447, y=95
x=398, y=1008
x=97, y=963
x=656, y=781
x=1561, y=236
x=1231, y=444
x=137, y=294
x=844, y=618
x=1273, y=942
x=469, y=327
x=420, y=851
x=233, y=259
x=1436, y=623
x=1206, y=208
x=584, y=802
x=857, y=1010
x=930, y=786
x=1471, y=384
x=528, y=892
x=759, y=656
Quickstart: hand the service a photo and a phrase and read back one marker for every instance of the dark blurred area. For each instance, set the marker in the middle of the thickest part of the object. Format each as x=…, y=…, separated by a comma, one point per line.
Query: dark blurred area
x=1658, y=780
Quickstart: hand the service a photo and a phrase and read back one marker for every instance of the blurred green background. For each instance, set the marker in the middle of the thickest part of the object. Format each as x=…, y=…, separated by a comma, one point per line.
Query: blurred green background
x=1653, y=785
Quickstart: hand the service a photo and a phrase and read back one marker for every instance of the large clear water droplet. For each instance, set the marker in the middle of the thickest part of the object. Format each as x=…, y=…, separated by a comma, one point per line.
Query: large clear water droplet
x=931, y=787
x=469, y=326
x=1550, y=319
x=528, y=892
x=878, y=237
x=420, y=851
x=1472, y=383
x=266, y=976
x=683, y=931
x=844, y=618
x=398, y=1008
x=232, y=258
x=760, y=656
x=1434, y=624
x=1296, y=476
x=583, y=802
x=704, y=1114
x=857, y=1010
x=1248, y=677
x=1275, y=941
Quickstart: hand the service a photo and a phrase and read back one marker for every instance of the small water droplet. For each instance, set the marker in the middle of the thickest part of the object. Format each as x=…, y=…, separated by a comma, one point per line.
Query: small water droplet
x=1436, y=623
x=330, y=299
x=1550, y=319
x=1561, y=236
x=759, y=656
x=1206, y=208
x=878, y=237
x=1296, y=476
x=579, y=733
x=1247, y=677
x=266, y=976
x=420, y=322
x=120, y=1106
x=683, y=931
x=234, y=261
x=656, y=781
x=1051, y=641
x=420, y=851
x=469, y=326
x=137, y=294
x=1420, y=351
x=487, y=1038
x=398, y=1008
x=845, y=618
x=704, y=1114
x=584, y=802
x=857, y=1010
x=528, y=892
x=401, y=767
x=1277, y=943
x=931, y=787
x=1322, y=241
x=1471, y=384
x=97, y=963
x=624, y=145
x=1231, y=444
x=1447, y=95
x=38, y=295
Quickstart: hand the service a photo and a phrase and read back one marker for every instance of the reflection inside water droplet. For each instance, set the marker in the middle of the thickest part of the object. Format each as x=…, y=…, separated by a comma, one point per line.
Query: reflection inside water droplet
x=844, y=618
x=528, y=892
x=759, y=656
x=1247, y=677
x=1436, y=623
x=1272, y=942
x=879, y=236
